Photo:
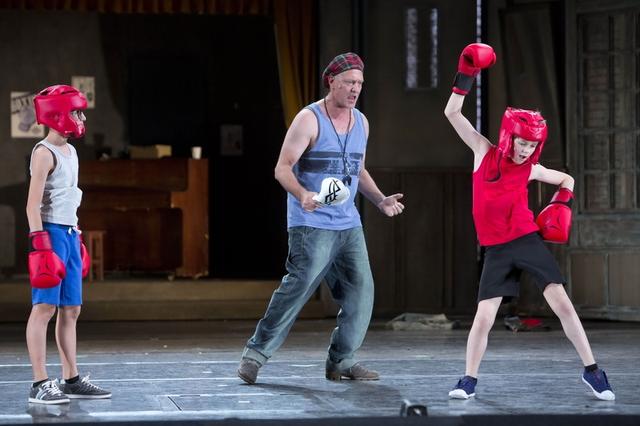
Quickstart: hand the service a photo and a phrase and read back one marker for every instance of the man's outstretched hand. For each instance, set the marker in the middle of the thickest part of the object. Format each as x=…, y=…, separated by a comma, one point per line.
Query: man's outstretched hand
x=390, y=205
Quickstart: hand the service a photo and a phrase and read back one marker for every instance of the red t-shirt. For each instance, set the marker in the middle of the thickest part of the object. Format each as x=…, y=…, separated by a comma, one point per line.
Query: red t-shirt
x=501, y=200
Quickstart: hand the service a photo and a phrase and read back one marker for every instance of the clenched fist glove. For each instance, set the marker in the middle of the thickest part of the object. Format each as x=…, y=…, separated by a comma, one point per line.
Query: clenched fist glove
x=474, y=57
x=46, y=269
x=555, y=220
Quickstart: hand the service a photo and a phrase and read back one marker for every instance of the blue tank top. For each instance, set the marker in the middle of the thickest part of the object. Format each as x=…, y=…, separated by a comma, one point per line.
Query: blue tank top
x=324, y=160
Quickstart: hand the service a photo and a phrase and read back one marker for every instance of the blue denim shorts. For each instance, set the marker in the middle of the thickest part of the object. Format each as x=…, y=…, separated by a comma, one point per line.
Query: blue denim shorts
x=66, y=244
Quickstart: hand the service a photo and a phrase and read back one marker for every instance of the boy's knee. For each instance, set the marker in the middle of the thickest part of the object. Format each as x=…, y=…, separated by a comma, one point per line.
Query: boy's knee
x=70, y=312
x=484, y=321
x=43, y=311
x=564, y=309
x=558, y=300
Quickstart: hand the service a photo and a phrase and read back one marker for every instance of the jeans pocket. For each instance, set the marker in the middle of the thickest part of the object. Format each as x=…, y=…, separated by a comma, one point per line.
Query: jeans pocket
x=307, y=234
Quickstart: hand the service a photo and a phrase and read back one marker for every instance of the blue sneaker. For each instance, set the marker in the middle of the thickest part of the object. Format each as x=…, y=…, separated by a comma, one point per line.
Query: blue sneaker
x=599, y=385
x=465, y=389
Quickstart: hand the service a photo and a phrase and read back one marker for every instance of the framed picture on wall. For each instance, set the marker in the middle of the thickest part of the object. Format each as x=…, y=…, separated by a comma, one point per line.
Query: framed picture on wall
x=87, y=85
x=23, y=116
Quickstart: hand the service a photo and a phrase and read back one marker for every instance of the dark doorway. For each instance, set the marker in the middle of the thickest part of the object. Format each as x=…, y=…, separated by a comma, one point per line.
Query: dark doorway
x=191, y=77
x=168, y=100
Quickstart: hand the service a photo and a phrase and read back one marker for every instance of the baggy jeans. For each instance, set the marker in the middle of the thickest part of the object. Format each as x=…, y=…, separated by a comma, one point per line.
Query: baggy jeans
x=341, y=258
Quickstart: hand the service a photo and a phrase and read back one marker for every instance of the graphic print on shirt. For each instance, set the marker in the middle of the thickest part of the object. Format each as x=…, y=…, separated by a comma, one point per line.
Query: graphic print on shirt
x=330, y=163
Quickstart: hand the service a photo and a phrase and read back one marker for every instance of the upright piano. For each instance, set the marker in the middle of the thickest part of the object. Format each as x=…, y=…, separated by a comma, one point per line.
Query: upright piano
x=154, y=212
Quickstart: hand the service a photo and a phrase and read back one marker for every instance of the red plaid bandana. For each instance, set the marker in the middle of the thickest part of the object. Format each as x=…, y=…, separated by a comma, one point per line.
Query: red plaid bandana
x=340, y=64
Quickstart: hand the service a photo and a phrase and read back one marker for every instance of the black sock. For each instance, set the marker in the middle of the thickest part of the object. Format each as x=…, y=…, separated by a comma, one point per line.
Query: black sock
x=72, y=380
x=591, y=368
x=36, y=384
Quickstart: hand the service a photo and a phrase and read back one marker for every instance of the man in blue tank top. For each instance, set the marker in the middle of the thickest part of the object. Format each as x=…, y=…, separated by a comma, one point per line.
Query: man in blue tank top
x=326, y=139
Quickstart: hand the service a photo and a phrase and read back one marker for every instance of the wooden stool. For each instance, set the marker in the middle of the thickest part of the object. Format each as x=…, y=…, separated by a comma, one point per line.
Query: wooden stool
x=94, y=240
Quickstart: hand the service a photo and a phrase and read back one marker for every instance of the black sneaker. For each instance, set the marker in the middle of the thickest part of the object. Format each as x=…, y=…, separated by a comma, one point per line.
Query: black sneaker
x=84, y=389
x=47, y=392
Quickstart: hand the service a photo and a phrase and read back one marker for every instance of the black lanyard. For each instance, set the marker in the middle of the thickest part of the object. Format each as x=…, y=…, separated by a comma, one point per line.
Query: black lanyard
x=346, y=169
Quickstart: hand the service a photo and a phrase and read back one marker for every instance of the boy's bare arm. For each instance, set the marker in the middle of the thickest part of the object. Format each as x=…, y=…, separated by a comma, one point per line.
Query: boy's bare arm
x=553, y=177
x=469, y=135
x=41, y=165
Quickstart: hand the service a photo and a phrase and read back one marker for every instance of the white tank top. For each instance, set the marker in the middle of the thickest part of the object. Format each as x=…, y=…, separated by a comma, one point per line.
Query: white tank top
x=61, y=197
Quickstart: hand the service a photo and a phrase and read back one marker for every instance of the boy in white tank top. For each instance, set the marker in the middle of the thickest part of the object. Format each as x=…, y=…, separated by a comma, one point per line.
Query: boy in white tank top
x=58, y=259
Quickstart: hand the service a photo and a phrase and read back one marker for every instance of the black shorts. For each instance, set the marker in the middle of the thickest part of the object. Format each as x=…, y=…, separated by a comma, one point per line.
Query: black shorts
x=503, y=264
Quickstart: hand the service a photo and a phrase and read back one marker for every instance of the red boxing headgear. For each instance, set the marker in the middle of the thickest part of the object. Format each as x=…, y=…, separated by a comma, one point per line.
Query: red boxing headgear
x=526, y=124
x=53, y=109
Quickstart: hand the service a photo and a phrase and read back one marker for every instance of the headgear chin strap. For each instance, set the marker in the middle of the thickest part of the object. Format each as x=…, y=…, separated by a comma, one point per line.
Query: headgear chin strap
x=523, y=123
x=54, y=106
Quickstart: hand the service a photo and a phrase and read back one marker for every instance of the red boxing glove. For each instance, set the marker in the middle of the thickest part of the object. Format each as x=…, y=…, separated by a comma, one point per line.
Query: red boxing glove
x=86, y=259
x=474, y=57
x=555, y=220
x=45, y=267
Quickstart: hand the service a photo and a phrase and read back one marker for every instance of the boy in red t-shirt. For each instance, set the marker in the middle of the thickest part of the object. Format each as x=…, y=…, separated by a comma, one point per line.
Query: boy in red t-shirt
x=505, y=225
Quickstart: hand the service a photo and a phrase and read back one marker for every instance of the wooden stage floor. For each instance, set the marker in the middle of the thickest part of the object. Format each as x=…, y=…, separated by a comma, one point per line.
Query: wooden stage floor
x=185, y=371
